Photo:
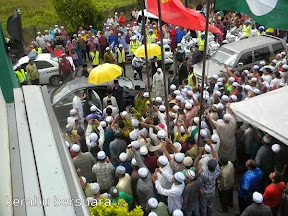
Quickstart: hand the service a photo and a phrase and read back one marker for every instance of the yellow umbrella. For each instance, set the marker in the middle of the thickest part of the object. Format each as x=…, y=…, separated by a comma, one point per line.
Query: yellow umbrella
x=152, y=50
x=104, y=73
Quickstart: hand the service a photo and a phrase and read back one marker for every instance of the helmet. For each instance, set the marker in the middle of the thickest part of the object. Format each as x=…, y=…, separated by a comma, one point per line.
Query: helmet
x=202, y=34
x=133, y=37
x=159, y=43
x=247, y=22
x=150, y=31
x=261, y=28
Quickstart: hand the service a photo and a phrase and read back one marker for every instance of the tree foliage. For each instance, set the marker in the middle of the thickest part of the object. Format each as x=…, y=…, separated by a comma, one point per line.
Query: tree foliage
x=75, y=13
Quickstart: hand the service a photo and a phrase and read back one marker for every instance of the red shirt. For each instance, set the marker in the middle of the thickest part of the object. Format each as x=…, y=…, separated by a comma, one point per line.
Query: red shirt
x=103, y=41
x=273, y=194
x=151, y=163
x=65, y=67
x=58, y=52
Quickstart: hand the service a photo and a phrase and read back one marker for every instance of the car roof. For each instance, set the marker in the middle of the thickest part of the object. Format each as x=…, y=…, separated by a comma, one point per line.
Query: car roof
x=42, y=56
x=248, y=43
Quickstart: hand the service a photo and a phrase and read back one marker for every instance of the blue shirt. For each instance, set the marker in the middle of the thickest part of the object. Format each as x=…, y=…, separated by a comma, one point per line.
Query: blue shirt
x=251, y=182
x=179, y=35
x=108, y=137
x=113, y=38
x=127, y=166
x=94, y=116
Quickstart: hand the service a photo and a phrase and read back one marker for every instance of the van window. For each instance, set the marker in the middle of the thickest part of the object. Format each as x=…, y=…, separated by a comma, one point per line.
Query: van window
x=278, y=47
x=262, y=54
x=246, y=58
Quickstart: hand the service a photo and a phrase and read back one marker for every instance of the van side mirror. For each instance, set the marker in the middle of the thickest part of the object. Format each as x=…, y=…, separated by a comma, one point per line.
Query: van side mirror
x=240, y=64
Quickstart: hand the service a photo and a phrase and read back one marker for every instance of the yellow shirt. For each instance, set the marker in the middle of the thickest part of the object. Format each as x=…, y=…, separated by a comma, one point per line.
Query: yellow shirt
x=124, y=184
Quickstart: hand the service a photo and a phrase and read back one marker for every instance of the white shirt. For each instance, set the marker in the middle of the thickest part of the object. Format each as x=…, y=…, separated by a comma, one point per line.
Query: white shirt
x=71, y=121
x=113, y=114
x=276, y=82
x=267, y=78
x=113, y=102
x=162, y=179
x=78, y=105
x=204, y=161
x=100, y=140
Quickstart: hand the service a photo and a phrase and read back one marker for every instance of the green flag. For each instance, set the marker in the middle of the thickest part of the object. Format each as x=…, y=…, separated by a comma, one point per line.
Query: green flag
x=270, y=13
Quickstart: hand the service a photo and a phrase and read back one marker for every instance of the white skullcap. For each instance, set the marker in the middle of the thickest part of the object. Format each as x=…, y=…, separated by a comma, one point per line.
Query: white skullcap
x=225, y=98
x=182, y=129
x=73, y=111
x=143, y=172
x=257, y=197
x=254, y=79
x=135, y=122
x=256, y=67
x=281, y=84
x=69, y=127
x=215, y=76
x=146, y=94
x=178, y=146
x=248, y=88
x=38, y=32
x=235, y=84
x=256, y=91
x=207, y=148
x=120, y=45
x=227, y=117
x=285, y=66
x=178, y=212
x=152, y=214
x=215, y=138
x=143, y=150
x=220, y=106
x=158, y=99
x=162, y=108
x=279, y=54
x=179, y=45
x=161, y=134
x=188, y=161
x=93, y=108
x=84, y=179
x=190, y=174
x=234, y=97
x=93, y=137
x=124, y=113
x=274, y=61
x=175, y=107
x=135, y=144
x=123, y=157
x=276, y=148
x=220, y=79
x=95, y=188
x=196, y=120
x=103, y=124
x=67, y=144
x=204, y=124
x=203, y=133
x=179, y=98
x=173, y=87
x=231, y=79
x=179, y=176
x=153, y=203
x=163, y=160
x=267, y=138
x=75, y=148
x=218, y=93
x=190, y=92
x=159, y=70
x=134, y=162
x=188, y=106
x=247, y=72
x=121, y=170
x=109, y=119
x=283, y=53
x=101, y=155
x=179, y=157
x=262, y=63
x=177, y=92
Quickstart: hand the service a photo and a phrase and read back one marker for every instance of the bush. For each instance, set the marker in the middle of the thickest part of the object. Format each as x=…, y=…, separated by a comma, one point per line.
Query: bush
x=116, y=209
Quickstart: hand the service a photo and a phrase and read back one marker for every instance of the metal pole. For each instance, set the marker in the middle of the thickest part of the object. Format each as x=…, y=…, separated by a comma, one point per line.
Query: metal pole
x=203, y=69
x=146, y=56
x=163, y=66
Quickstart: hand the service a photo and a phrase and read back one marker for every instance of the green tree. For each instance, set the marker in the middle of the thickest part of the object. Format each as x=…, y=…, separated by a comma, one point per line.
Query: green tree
x=75, y=13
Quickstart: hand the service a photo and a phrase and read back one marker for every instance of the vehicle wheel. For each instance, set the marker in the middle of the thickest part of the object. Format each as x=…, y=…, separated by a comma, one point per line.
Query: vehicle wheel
x=55, y=80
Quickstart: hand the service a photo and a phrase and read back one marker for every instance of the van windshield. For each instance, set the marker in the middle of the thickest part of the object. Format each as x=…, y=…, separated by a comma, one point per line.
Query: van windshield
x=225, y=56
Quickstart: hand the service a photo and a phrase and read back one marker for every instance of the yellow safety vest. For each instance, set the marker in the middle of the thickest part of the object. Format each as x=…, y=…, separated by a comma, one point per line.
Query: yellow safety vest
x=246, y=30
x=201, y=44
x=95, y=57
x=21, y=76
x=270, y=30
x=262, y=33
x=121, y=56
x=151, y=38
x=159, y=57
x=134, y=45
x=37, y=51
x=190, y=80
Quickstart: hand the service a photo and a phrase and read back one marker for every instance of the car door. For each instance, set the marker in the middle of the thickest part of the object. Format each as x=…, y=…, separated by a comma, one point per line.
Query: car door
x=245, y=61
x=46, y=70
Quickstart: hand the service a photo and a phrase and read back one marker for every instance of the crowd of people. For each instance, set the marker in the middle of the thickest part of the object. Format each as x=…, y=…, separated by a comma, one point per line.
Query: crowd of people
x=149, y=154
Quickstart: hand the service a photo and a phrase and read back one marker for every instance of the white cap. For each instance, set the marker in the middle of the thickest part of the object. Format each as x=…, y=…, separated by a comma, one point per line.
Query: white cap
x=109, y=119
x=267, y=138
x=256, y=67
x=153, y=203
x=179, y=45
x=177, y=92
x=67, y=144
x=143, y=150
x=116, y=13
x=281, y=84
x=204, y=124
x=274, y=61
x=220, y=106
x=84, y=179
x=196, y=120
x=107, y=48
x=256, y=91
x=257, y=197
x=234, y=97
x=158, y=99
x=133, y=37
x=179, y=176
x=203, y=133
x=231, y=79
x=188, y=106
x=220, y=79
x=73, y=111
x=220, y=121
x=248, y=88
x=285, y=66
x=121, y=170
x=135, y=122
x=146, y=94
x=227, y=117
x=176, y=108
x=179, y=157
x=93, y=108
x=123, y=157
x=93, y=137
x=163, y=160
x=134, y=162
x=190, y=174
x=69, y=127
x=135, y=144
x=262, y=63
x=120, y=45
x=161, y=134
x=95, y=188
x=254, y=79
x=173, y=87
x=152, y=214
x=178, y=146
x=207, y=148
x=188, y=161
x=162, y=108
x=124, y=113
x=179, y=98
x=190, y=93
x=215, y=76
x=133, y=135
x=215, y=138
x=101, y=155
x=225, y=98
x=276, y=148
x=103, y=124
x=218, y=93
x=159, y=70
x=283, y=53
x=279, y=54
x=143, y=172
x=182, y=129
x=177, y=212
x=235, y=84
x=75, y=148
x=247, y=72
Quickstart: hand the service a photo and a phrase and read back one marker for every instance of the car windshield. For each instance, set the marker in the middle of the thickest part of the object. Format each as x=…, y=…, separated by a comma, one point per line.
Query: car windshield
x=224, y=56
x=55, y=59
x=59, y=93
x=126, y=83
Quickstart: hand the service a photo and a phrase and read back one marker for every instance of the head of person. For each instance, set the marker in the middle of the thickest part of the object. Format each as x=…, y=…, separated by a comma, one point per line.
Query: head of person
x=212, y=164
x=276, y=177
x=250, y=164
x=79, y=93
x=155, y=59
x=137, y=89
x=101, y=156
x=114, y=192
x=178, y=178
x=227, y=118
x=152, y=203
x=109, y=93
x=171, y=74
x=120, y=172
x=202, y=35
x=196, y=47
x=162, y=161
x=116, y=83
x=190, y=176
x=223, y=161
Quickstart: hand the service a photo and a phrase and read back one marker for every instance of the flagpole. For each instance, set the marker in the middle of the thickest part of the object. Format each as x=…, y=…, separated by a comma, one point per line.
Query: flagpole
x=146, y=56
x=203, y=69
x=163, y=66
